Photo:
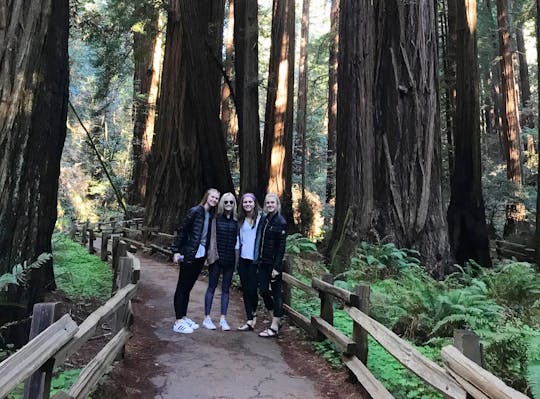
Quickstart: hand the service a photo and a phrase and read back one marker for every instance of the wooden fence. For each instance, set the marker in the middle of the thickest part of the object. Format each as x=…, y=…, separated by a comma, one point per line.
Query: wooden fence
x=461, y=377
x=54, y=339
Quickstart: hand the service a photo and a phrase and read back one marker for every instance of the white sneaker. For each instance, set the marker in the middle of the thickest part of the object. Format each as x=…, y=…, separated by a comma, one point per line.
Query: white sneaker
x=207, y=323
x=180, y=326
x=191, y=323
x=224, y=325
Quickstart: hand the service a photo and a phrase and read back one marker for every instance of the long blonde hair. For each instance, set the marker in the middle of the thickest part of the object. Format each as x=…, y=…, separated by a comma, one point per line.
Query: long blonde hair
x=221, y=205
x=278, y=202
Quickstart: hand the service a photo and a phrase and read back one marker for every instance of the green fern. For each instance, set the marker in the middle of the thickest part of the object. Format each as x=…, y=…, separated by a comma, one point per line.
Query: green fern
x=19, y=272
x=297, y=244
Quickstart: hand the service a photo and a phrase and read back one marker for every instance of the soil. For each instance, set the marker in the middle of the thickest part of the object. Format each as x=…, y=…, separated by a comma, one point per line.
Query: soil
x=153, y=348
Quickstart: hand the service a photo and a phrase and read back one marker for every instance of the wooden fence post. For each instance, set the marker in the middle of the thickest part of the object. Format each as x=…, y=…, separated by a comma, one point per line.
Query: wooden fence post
x=38, y=386
x=104, y=246
x=84, y=238
x=287, y=268
x=468, y=343
x=119, y=249
x=123, y=315
x=73, y=229
x=360, y=336
x=91, y=238
x=327, y=305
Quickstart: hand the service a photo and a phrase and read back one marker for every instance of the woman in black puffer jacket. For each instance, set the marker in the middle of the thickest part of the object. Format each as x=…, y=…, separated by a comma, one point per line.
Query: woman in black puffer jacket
x=221, y=259
x=190, y=251
x=270, y=247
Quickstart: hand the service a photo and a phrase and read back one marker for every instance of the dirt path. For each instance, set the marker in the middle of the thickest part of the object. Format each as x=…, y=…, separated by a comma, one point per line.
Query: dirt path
x=206, y=364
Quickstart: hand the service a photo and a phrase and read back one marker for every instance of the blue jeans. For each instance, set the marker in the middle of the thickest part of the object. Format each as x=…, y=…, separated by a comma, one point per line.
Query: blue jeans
x=214, y=270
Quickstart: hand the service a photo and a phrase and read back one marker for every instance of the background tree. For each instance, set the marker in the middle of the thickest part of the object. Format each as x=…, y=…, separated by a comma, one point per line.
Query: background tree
x=332, y=100
x=277, y=144
x=246, y=63
x=393, y=130
x=34, y=91
x=188, y=153
x=466, y=216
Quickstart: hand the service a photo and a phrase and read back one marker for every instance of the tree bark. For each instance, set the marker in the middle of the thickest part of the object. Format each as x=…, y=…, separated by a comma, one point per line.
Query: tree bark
x=388, y=127
x=524, y=83
x=466, y=214
x=147, y=56
x=537, y=235
x=332, y=101
x=450, y=80
x=510, y=122
x=246, y=29
x=301, y=115
x=34, y=91
x=228, y=112
x=188, y=153
x=277, y=147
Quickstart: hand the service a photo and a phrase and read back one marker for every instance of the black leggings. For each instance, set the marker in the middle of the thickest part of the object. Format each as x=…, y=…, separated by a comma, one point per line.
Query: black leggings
x=189, y=272
x=248, y=278
x=273, y=299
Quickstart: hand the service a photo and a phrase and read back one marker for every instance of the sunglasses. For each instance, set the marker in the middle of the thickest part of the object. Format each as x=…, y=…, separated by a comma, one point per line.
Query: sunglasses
x=228, y=202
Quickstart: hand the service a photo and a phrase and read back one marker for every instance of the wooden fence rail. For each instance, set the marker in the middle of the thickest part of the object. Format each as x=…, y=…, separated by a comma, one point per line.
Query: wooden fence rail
x=52, y=342
x=458, y=379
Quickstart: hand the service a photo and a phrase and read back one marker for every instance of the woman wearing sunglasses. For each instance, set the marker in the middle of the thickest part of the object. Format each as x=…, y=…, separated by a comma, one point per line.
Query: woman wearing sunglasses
x=248, y=221
x=221, y=258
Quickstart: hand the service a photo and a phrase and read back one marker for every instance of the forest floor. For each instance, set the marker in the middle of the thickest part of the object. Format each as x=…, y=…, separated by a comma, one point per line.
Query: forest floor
x=213, y=364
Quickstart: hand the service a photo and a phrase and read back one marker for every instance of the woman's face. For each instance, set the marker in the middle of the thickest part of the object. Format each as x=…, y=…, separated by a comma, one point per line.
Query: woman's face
x=248, y=204
x=228, y=204
x=213, y=199
x=270, y=204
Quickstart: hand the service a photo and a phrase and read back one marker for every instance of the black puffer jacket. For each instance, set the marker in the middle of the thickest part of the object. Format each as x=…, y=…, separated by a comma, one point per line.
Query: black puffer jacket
x=273, y=236
x=188, y=234
x=226, y=233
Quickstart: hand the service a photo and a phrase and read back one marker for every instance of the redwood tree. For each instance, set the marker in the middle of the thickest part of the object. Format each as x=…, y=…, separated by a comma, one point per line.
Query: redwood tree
x=466, y=215
x=277, y=145
x=332, y=101
x=247, y=96
x=147, y=54
x=188, y=153
x=301, y=115
x=388, y=178
x=34, y=91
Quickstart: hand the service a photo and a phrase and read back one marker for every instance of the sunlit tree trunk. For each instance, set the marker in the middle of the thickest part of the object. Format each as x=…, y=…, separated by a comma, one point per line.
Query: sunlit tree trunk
x=277, y=147
x=524, y=83
x=188, y=153
x=510, y=123
x=301, y=115
x=332, y=101
x=466, y=215
x=247, y=96
x=34, y=93
x=228, y=112
x=147, y=49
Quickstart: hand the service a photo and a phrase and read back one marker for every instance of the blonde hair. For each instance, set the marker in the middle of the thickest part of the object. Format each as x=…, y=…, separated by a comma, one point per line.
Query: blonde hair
x=221, y=205
x=206, y=194
x=278, y=202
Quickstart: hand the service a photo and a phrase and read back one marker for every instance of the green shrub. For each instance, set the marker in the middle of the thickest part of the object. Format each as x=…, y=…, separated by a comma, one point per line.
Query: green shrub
x=78, y=273
x=297, y=244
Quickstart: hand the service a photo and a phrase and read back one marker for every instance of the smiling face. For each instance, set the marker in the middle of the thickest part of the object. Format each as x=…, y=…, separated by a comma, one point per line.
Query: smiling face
x=270, y=204
x=248, y=205
x=227, y=204
x=212, y=200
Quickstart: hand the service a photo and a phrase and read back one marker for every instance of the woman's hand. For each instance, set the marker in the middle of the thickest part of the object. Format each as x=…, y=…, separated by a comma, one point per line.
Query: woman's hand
x=177, y=258
x=275, y=273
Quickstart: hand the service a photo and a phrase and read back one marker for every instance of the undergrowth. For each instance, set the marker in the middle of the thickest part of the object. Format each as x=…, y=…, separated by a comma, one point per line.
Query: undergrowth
x=79, y=274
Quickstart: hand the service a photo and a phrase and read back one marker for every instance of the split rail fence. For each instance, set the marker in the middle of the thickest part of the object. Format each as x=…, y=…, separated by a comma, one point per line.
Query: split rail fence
x=53, y=339
x=461, y=377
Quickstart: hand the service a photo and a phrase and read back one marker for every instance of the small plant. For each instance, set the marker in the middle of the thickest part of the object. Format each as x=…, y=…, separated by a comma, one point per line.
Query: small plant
x=19, y=272
x=297, y=244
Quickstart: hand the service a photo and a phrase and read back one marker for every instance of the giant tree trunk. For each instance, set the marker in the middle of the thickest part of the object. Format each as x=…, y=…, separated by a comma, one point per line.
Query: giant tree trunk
x=524, y=84
x=228, y=112
x=277, y=148
x=301, y=115
x=188, y=153
x=389, y=165
x=537, y=235
x=466, y=215
x=34, y=91
x=246, y=29
x=510, y=122
x=147, y=55
x=332, y=102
